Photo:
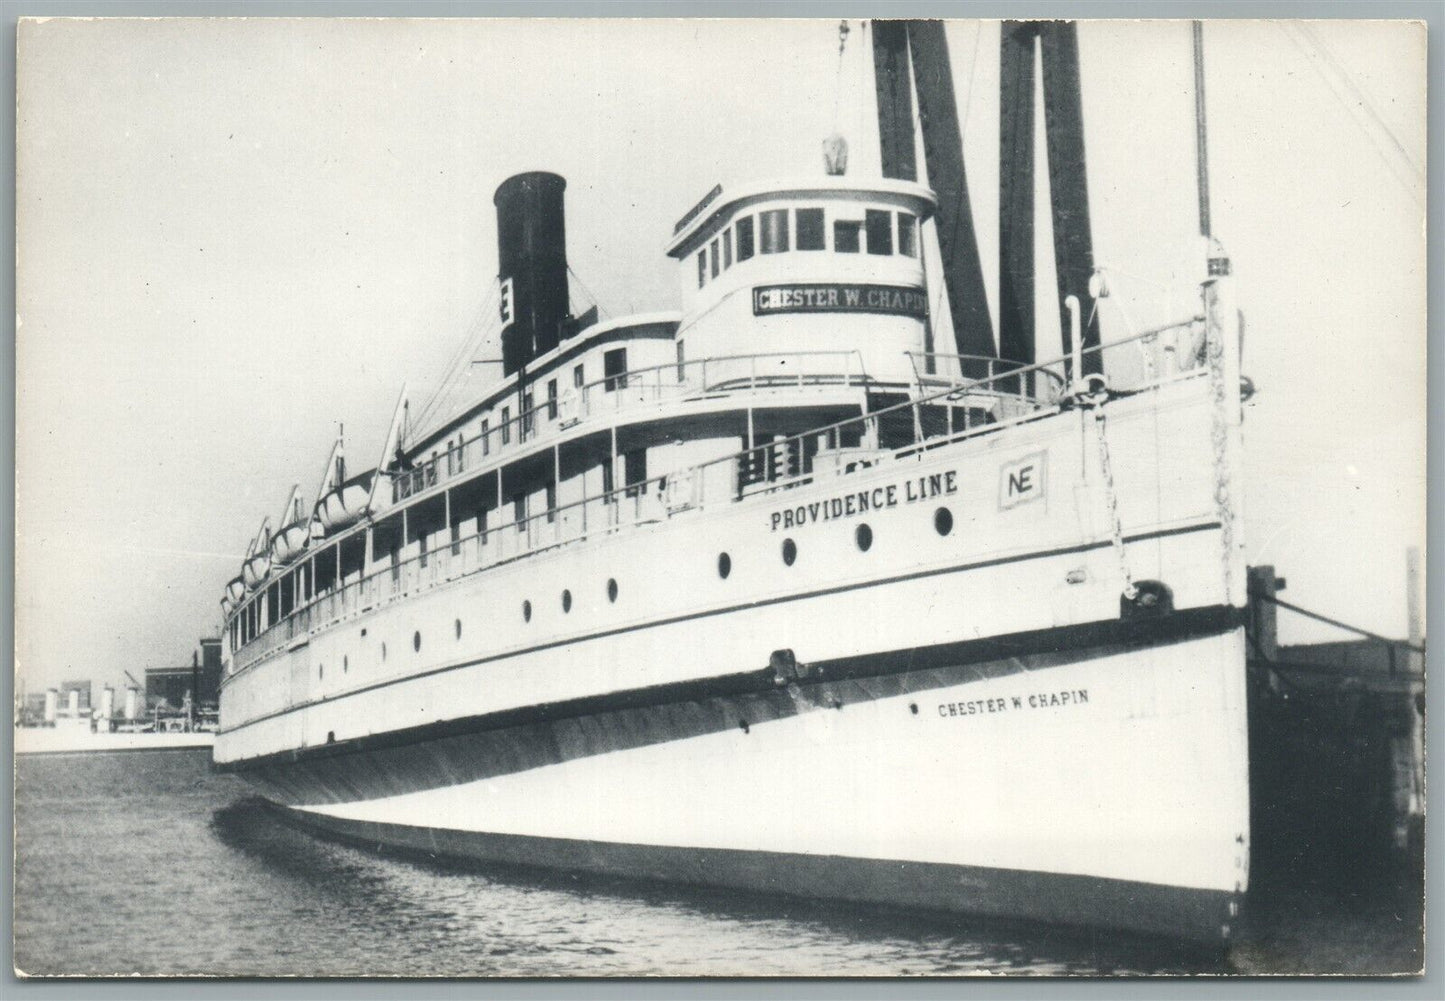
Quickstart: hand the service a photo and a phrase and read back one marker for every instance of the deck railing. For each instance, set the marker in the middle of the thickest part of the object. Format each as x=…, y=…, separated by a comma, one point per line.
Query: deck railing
x=959, y=409
x=794, y=371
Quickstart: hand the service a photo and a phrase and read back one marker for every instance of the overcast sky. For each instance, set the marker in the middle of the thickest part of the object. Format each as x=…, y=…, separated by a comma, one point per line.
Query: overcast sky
x=234, y=234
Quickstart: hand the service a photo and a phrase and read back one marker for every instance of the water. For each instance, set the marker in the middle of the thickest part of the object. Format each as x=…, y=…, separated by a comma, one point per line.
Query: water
x=145, y=862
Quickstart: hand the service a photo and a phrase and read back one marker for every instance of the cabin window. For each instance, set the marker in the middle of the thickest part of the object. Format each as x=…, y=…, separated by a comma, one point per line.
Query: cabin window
x=527, y=409
x=809, y=224
x=577, y=377
x=634, y=472
x=607, y=482
x=614, y=369
x=716, y=262
x=879, y=225
x=727, y=244
x=681, y=365
x=551, y=503
x=519, y=512
x=451, y=457
x=431, y=470
x=907, y=234
x=456, y=538
x=846, y=236
x=506, y=425
x=551, y=399
x=461, y=453
x=773, y=235
x=745, y=238
x=702, y=267
x=421, y=543
x=486, y=441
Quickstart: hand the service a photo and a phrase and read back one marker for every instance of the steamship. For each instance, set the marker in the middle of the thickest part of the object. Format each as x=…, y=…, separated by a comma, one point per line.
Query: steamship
x=771, y=593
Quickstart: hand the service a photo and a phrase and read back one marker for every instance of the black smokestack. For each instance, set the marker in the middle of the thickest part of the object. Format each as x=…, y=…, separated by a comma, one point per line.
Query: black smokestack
x=532, y=254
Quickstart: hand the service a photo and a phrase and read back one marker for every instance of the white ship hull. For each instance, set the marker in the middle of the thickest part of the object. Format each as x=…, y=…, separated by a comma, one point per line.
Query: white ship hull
x=664, y=733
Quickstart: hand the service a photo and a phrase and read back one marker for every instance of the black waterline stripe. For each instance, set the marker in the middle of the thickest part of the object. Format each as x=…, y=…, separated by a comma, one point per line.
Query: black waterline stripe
x=692, y=616
x=1088, y=636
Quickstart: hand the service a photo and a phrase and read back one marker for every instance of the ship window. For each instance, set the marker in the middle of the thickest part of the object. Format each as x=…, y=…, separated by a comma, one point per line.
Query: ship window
x=527, y=611
x=880, y=231
x=809, y=224
x=416, y=641
x=577, y=377
x=551, y=503
x=551, y=399
x=519, y=511
x=528, y=408
x=566, y=601
x=727, y=240
x=716, y=263
x=943, y=521
x=681, y=365
x=486, y=441
x=614, y=369
x=863, y=535
x=745, y=238
x=506, y=425
x=907, y=234
x=456, y=538
x=612, y=589
x=846, y=234
x=459, y=628
x=724, y=565
x=790, y=552
x=607, y=482
x=431, y=471
x=702, y=267
x=773, y=231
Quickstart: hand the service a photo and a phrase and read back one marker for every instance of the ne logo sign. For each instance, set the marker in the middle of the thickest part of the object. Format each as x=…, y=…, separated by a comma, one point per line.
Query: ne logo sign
x=1022, y=481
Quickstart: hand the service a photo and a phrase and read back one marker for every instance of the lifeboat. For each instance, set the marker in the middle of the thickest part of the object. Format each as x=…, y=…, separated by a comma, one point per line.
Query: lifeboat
x=344, y=505
x=290, y=541
x=235, y=589
x=256, y=567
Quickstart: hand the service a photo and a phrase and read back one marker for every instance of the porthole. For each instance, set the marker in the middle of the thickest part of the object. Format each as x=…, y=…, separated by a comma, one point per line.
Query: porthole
x=566, y=601
x=527, y=611
x=320, y=671
x=363, y=632
x=611, y=589
x=863, y=535
x=416, y=641
x=943, y=520
x=724, y=565
x=383, y=651
x=459, y=628
x=345, y=664
x=790, y=551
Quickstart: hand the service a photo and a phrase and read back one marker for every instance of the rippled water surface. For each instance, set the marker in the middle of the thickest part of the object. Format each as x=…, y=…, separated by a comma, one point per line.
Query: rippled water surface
x=145, y=862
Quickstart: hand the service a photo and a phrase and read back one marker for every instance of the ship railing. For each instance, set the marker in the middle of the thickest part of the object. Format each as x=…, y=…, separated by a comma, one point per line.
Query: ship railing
x=959, y=409
x=791, y=370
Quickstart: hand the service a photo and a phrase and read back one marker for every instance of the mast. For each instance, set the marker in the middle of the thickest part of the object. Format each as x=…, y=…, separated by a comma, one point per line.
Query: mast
x=1201, y=137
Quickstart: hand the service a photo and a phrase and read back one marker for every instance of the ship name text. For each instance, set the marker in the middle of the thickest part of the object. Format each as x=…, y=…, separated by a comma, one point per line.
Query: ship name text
x=839, y=298
x=1035, y=700
x=910, y=491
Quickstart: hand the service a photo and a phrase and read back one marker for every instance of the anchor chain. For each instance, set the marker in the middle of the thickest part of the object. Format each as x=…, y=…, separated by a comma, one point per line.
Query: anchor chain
x=1214, y=348
x=1111, y=497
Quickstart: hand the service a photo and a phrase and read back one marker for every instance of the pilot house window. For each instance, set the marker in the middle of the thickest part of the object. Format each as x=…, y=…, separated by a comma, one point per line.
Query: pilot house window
x=702, y=267
x=745, y=238
x=880, y=231
x=614, y=369
x=715, y=261
x=773, y=238
x=846, y=235
x=810, y=229
x=907, y=235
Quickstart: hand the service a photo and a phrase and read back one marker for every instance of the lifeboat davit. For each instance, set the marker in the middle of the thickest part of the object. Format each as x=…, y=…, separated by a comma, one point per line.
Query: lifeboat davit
x=347, y=503
x=291, y=541
x=255, y=569
x=235, y=589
